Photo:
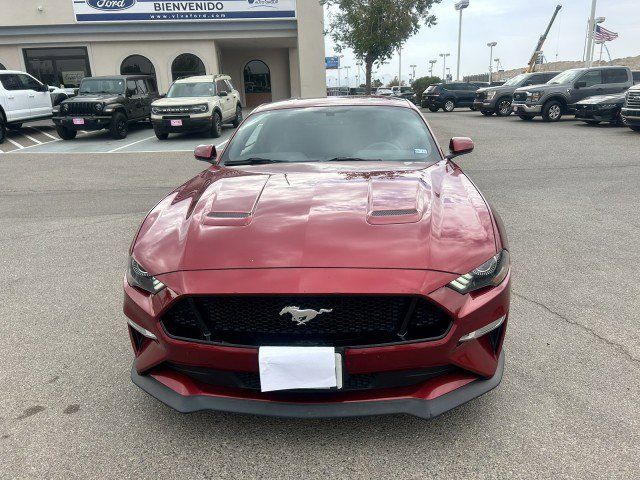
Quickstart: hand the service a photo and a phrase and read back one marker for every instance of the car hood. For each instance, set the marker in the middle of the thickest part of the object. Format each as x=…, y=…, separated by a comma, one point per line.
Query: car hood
x=498, y=89
x=544, y=87
x=617, y=98
x=322, y=216
x=165, y=102
x=103, y=97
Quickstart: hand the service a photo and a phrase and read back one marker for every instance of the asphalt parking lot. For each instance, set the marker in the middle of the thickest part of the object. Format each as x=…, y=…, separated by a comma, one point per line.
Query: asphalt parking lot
x=567, y=406
x=41, y=137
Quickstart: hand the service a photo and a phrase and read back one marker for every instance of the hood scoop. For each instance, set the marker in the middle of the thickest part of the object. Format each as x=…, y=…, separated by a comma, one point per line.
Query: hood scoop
x=233, y=200
x=396, y=201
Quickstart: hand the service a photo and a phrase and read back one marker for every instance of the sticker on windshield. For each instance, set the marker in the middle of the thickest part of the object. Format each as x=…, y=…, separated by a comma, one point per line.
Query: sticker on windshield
x=420, y=151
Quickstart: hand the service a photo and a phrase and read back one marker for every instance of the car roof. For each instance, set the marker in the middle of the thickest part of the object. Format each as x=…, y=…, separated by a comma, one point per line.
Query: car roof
x=203, y=78
x=117, y=77
x=11, y=71
x=372, y=100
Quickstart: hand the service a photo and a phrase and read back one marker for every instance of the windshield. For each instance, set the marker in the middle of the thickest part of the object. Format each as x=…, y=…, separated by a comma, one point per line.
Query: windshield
x=317, y=134
x=565, y=77
x=94, y=85
x=199, y=89
x=515, y=80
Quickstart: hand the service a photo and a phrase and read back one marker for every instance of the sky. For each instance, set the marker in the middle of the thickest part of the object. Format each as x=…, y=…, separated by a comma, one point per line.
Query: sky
x=515, y=24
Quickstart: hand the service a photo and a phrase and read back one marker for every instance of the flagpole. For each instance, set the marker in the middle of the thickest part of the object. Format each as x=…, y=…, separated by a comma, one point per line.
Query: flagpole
x=592, y=27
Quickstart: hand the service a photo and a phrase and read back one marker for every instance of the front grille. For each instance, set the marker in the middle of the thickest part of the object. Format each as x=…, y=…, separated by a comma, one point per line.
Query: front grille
x=520, y=96
x=79, y=108
x=346, y=320
x=633, y=100
x=350, y=382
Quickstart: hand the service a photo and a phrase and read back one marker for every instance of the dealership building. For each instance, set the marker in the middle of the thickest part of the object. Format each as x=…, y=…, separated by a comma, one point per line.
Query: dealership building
x=272, y=49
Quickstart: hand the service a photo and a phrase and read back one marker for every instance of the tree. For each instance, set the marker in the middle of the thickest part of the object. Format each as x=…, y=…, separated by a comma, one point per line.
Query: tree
x=419, y=85
x=395, y=82
x=375, y=29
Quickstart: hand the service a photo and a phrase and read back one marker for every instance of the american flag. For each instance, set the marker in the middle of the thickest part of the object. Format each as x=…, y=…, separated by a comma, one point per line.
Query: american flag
x=604, y=35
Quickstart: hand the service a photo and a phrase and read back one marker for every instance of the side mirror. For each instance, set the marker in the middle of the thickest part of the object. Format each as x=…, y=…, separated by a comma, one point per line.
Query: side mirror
x=580, y=85
x=130, y=93
x=459, y=146
x=206, y=153
x=222, y=94
x=163, y=95
x=44, y=88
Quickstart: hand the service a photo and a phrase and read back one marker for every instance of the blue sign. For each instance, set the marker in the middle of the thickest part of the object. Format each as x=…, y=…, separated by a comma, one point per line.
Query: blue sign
x=111, y=4
x=332, y=63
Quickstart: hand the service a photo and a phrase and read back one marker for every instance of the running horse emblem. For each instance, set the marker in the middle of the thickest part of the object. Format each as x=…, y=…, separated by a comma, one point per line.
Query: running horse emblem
x=301, y=317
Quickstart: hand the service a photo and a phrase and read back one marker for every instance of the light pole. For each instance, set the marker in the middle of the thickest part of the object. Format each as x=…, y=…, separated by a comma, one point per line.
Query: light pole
x=461, y=5
x=491, y=45
x=340, y=57
x=413, y=72
x=347, y=67
x=399, y=66
x=431, y=67
x=444, y=66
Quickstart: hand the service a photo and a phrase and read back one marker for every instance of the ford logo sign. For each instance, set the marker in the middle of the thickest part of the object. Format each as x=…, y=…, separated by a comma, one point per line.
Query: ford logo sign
x=111, y=4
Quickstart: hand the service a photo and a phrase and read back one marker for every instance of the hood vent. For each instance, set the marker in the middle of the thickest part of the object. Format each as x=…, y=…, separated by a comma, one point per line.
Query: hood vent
x=394, y=213
x=228, y=214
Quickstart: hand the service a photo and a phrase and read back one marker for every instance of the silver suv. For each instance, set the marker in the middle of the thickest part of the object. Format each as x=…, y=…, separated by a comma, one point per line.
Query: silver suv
x=200, y=103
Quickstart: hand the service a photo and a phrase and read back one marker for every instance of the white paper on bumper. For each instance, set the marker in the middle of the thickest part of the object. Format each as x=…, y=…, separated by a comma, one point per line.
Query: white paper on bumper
x=286, y=368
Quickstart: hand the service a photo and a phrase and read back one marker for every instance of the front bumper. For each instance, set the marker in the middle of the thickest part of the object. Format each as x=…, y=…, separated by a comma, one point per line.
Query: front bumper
x=476, y=364
x=523, y=108
x=594, y=113
x=631, y=116
x=413, y=405
x=189, y=124
x=485, y=105
x=90, y=122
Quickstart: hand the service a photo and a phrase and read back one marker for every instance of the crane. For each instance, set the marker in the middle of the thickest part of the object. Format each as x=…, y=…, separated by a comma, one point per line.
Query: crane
x=543, y=37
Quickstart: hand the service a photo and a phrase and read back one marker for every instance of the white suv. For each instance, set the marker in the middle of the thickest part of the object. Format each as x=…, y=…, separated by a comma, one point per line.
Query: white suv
x=22, y=99
x=197, y=103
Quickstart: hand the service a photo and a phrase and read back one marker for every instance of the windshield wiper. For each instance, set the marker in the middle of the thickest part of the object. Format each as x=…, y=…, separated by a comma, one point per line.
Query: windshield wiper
x=352, y=159
x=254, y=161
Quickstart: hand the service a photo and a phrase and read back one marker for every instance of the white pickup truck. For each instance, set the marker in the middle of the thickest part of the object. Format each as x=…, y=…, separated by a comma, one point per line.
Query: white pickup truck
x=22, y=99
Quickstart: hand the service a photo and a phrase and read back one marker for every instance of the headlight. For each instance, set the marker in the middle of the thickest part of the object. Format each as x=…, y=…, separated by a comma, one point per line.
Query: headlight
x=98, y=107
x=490, y=95
x=490, y=273
x=535, y=96
x=201, y=108
x=64, y=107
x=139, y=277
x=608, y=105
x=156, y=110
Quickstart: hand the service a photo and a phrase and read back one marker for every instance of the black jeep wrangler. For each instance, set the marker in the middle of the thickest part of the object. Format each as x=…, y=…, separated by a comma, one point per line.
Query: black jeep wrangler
x=106, y=102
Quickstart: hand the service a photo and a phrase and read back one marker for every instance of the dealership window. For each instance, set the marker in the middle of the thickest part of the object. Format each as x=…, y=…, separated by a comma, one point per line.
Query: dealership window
x=257, y=77
x=58, y=66
x=187, y=65
x=137, y=65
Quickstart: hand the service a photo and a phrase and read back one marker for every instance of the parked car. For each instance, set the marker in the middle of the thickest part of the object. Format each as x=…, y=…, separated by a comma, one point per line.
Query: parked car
x=302, y=274
x=601, y=108
x=558, y=96
x=112, y=103
x=200, y=103
x=405, y=92
x=384, y=91
x=60, y=94
x=448, y=96
x=497, y=99
x=22, y=99
x=631, y=109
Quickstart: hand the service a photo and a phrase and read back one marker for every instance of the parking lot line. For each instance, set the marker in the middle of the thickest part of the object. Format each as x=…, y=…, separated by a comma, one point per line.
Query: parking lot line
x=16, y=144
x=130, y=144
x=37, y=142
x=44, y=133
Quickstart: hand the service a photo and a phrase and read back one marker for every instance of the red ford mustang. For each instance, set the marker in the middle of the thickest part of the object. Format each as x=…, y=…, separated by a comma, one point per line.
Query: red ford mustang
x=332, y=261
